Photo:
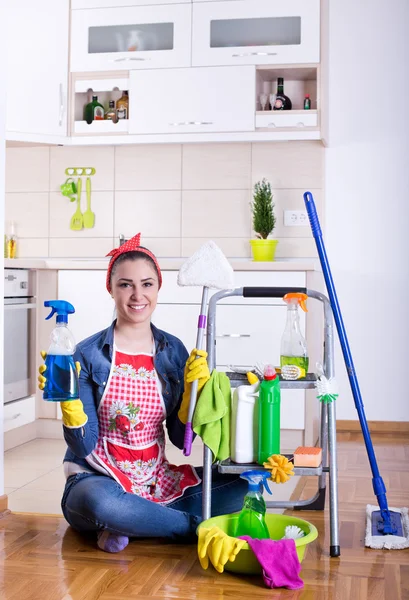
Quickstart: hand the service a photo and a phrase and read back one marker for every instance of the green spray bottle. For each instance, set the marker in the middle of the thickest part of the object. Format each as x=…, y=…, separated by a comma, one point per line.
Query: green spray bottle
x=269, y=401
x=251, y=519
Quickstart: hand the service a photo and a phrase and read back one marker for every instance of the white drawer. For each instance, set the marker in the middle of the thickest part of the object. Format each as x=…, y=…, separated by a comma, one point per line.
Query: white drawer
x=287, y=118
x=172, y=293
x=19, y=413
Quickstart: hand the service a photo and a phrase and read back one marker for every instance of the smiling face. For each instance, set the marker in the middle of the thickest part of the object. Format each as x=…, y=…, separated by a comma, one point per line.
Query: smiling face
x=135, y=287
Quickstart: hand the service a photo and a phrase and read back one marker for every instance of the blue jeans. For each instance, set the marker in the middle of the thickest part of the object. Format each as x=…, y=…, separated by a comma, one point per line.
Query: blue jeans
x=92, y=502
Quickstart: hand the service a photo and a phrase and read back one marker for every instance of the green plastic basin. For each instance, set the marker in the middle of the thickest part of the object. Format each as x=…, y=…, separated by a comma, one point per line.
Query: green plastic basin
x=245, y=560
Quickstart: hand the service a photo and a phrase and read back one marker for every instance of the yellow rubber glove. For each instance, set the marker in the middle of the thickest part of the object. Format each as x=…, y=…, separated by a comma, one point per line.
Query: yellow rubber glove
x=73, y=414
x=195, y=368
x=218, y=546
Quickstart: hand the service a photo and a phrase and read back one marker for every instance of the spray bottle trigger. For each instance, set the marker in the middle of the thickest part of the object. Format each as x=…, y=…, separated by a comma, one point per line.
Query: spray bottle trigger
x=52, y=313
x=266, y=476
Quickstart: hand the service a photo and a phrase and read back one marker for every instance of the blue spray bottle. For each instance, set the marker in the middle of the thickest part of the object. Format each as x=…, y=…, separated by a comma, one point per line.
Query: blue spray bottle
x=61, y=374
x=251, y=519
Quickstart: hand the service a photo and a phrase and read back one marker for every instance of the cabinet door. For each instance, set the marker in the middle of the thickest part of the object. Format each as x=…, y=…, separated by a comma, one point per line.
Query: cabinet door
x=94, y=307
x=192, y=100
x=256, y=32
x=37, y=66
x=139, y=37
x=120, y=3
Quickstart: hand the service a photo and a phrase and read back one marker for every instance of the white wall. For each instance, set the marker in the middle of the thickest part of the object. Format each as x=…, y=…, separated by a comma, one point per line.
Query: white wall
x=2, y=203
x=367, y=198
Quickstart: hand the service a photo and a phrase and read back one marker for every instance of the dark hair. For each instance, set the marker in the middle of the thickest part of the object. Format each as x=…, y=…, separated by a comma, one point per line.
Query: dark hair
x=134, y=255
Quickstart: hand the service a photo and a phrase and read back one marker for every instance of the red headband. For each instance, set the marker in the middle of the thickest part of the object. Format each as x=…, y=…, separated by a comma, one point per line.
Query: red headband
x=130, y=246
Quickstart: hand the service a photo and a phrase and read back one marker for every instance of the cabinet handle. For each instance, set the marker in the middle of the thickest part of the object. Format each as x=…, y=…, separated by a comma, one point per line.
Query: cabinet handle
x=61, y=113
x=254, y=54
x=126, y=58
x=234, y=335
x=14, y=417
x=300, y=124
x=177, y=124
x=271, y=125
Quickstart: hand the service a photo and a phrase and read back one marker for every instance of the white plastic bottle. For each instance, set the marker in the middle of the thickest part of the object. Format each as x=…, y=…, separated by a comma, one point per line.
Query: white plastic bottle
x=244, y=424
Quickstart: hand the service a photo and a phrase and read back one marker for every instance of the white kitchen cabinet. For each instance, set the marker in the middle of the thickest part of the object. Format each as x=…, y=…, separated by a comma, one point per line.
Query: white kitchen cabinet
x=19, y=413
x=137, y=37
x=75, y=4
x=94, y=307
x=256, y=32
x=37, y=68
x=206, y=99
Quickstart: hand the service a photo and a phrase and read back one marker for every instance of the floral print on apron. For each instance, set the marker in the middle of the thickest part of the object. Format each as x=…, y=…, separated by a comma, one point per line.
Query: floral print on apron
x=131, y=442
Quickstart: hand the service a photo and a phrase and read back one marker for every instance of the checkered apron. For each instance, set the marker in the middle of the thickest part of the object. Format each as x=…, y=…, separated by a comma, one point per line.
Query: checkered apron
x=131, y=442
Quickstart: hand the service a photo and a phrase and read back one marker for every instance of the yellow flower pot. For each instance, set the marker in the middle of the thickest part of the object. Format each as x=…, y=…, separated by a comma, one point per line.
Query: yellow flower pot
x=263, y=250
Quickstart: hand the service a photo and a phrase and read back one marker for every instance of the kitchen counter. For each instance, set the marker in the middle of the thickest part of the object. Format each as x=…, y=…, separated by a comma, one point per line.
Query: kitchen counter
x=166, y=264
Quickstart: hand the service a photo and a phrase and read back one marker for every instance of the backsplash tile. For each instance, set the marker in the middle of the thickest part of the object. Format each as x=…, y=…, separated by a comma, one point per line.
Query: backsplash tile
x=148, y=167
x=289, y=164
x=220, y=213
x=27, y=169
x=80, y=248
x=178, y=196
x=32, y=248
x=155, y=214
x=216, y=166
x=29, y=211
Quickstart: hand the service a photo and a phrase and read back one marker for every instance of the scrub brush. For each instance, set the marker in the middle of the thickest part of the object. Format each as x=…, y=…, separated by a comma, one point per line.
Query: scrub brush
x=292, y=372
x=292, y=532
x=327, y=388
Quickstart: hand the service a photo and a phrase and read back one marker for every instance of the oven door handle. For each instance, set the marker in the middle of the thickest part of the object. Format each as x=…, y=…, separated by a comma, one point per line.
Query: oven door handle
x=19, y=306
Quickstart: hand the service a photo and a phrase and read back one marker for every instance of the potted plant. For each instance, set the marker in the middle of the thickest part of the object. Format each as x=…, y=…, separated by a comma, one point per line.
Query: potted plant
x=264, y=222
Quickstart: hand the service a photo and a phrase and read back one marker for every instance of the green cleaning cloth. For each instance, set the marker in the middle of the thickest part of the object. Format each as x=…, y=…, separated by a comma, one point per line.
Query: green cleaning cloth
x=211, y=420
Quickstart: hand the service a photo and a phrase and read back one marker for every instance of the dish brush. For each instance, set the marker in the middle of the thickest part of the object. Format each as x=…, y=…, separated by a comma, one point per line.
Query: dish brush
x=292, y=372
x=292, y=532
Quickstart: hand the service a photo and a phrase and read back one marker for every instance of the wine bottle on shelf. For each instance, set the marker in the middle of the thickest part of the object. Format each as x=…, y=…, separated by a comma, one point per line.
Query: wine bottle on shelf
x=122, y=106
x=94, y=111
x=282, y=102
x=307, y=102
x=110, y=114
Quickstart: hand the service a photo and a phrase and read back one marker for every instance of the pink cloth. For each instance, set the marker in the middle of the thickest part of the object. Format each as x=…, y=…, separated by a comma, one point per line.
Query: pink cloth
x=279, y=562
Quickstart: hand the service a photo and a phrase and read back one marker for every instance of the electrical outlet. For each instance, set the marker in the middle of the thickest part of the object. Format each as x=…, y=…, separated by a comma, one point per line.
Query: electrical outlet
x=295, y=218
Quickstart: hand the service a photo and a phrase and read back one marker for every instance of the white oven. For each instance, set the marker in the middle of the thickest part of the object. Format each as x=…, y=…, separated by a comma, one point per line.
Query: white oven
x=19, y=316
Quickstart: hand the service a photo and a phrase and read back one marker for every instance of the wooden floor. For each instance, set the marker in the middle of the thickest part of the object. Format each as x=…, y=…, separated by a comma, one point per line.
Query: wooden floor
x=43, y=559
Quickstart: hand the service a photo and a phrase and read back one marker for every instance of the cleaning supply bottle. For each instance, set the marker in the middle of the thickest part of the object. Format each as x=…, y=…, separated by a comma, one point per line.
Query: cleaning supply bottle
x=293, y=344
x=269, y=401
x=244, y=424
x=61, y=374
x=251, y=518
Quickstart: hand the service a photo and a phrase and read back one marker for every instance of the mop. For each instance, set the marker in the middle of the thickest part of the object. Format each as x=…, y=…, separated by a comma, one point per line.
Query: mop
x=208, y=267
x=388, y=527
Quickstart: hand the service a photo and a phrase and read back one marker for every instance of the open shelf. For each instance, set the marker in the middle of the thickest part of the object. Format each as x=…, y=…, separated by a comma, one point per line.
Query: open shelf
x=298, y=81
x=106, y=89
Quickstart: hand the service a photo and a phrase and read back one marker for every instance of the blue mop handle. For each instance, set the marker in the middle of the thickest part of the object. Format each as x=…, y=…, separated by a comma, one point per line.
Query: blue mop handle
x=378, y=484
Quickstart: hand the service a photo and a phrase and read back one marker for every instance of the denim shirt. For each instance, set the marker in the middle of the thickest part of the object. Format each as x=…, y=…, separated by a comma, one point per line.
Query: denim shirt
x=95, y=356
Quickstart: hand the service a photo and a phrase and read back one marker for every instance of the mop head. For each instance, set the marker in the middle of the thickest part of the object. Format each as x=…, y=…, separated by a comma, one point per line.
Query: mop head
x=208, y=267
x=375, y=539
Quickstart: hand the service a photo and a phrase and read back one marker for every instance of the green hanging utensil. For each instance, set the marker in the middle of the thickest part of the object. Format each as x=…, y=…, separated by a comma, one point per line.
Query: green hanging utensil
x=77, y=219
x=89, y=216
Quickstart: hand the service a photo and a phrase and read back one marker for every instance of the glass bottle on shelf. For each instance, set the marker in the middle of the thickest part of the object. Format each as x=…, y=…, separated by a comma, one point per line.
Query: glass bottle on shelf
x=110, y=114
x=94, y=111
x=282, y=102
x=12, y=241
x=307, y=102
x=122, y=106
